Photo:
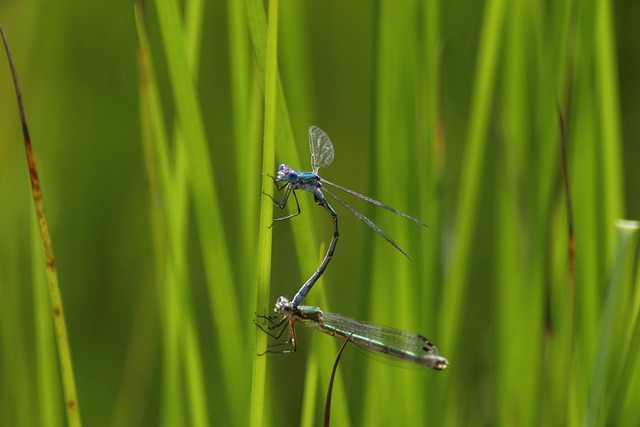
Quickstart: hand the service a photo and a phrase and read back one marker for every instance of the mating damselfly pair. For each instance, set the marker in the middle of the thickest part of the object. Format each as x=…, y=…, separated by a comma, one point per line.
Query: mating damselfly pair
x=391, y=342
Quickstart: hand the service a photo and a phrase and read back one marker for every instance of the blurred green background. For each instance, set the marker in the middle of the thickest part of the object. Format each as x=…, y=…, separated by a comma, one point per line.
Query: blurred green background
x=445, y=111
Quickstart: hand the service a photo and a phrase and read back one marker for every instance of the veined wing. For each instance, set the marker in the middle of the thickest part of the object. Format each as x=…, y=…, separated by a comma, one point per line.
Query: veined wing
x=392, y=344
x=367, y=221
x=374, y=202
x=321, y=149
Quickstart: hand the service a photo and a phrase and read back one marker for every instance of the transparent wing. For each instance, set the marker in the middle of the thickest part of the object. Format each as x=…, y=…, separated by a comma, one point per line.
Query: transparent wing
x=374, y=202
x=367, y=221
x=391, y=344
x=321, y=149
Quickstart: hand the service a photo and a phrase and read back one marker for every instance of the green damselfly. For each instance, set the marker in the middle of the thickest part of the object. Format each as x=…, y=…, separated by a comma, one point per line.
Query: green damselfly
x=391, y=343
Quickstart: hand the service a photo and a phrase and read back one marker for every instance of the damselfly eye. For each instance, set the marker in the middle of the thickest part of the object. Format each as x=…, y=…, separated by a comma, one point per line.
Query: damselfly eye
x=285, y=173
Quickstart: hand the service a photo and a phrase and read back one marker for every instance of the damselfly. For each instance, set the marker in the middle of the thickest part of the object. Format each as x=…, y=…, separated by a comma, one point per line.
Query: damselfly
x=322, y=156
x=392, y=343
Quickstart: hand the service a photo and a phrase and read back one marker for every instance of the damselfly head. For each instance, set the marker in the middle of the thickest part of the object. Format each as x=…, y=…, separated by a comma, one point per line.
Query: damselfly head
x=284, y=171
x=283, y=306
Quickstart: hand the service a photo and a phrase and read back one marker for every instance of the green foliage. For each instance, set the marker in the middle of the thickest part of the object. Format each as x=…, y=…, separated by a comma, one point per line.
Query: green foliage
x=155, y=131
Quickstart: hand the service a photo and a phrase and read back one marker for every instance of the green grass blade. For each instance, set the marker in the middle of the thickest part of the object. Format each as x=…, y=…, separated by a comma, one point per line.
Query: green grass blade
x=160, y=179
x=627, y=388
x=616, y=312
x=64, y=351
x=247, y=104
x=48, y=378
x=257, y=417
x=472, y=169
x=223, y=299
x=607, y=83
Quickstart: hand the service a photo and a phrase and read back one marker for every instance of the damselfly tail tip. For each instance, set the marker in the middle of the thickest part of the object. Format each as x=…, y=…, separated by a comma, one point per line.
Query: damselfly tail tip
x=441, y=364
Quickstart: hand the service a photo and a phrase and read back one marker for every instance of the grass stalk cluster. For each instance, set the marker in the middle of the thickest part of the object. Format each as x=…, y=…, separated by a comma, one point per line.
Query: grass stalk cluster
x=452, y=115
